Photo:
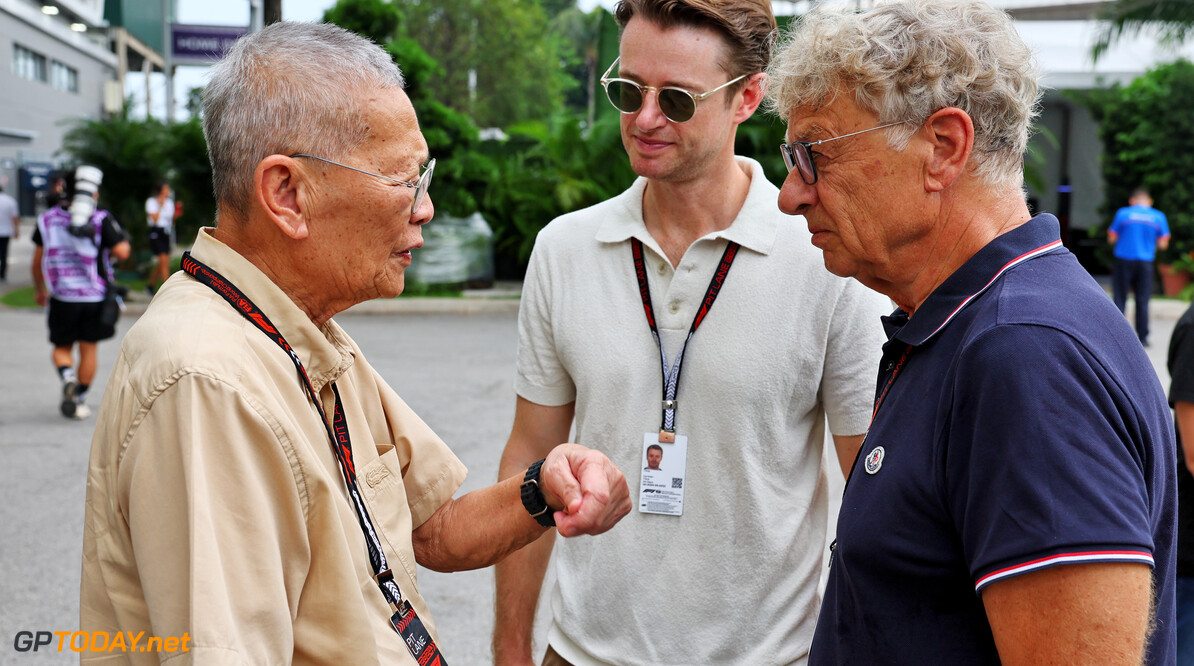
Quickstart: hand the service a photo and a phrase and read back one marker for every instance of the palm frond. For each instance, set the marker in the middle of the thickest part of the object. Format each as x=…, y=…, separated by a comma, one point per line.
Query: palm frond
x=1172, y=19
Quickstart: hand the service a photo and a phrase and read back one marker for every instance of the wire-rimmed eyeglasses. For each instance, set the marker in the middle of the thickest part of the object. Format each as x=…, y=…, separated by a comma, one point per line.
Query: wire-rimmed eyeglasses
x=677, y=104
x=799, y=155
x=420, y=184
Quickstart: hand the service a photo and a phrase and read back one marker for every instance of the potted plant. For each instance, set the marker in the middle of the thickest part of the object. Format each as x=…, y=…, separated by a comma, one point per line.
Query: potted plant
x=1177, y=275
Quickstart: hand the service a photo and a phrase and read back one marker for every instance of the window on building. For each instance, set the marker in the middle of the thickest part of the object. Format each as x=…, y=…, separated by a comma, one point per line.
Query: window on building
x=28, y=64
x=63, y=77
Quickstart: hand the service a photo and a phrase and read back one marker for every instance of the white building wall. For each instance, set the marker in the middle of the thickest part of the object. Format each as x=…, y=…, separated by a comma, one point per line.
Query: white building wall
x=36, y=106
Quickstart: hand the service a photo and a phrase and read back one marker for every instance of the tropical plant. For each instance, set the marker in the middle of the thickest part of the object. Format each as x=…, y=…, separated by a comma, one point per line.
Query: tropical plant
x=1172, y=19
x=550, y=168
x=1148, y=140
x=190, y=175
x=376, y=19
x=501, y=63
x=136, y=154
x=452, y=137
x=580, y=36
x=132, y=155
x=759, y=138
x=1035, y=160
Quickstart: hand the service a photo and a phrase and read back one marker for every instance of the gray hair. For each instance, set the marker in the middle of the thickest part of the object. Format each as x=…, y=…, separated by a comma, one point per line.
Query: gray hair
x=906, y=60
x=292, y=87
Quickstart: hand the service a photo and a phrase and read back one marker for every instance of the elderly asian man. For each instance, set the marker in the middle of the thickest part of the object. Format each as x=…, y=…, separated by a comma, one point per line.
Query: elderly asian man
x=1013, y=500
x=255, y=487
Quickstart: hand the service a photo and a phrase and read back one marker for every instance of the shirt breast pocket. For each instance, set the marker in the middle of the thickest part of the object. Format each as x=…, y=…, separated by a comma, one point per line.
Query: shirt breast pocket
x=385, y=496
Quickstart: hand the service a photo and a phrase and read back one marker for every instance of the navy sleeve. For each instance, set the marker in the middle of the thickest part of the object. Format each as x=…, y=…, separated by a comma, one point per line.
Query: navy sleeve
x=1045, y=459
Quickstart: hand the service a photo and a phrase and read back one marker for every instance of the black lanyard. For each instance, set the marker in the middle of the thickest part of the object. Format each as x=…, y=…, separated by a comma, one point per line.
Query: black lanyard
x=404, y=619
x=671, y=377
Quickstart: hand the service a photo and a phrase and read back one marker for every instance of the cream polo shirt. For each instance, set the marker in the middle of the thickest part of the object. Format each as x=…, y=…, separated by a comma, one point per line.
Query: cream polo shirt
x=215, y=506
x=786, y=347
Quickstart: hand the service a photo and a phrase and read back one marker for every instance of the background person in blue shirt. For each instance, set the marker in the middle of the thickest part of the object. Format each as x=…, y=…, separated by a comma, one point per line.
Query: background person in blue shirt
x=1014, y=499
x=1136, y=232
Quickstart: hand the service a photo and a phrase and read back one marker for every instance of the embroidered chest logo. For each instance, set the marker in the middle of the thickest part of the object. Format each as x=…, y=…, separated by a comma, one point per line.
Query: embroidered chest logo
x=376, y=476
x=874, y=460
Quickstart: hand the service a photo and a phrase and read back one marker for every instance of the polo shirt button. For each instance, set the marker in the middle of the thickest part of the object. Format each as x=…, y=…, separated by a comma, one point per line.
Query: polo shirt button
x=674, y=307
x=662, y=268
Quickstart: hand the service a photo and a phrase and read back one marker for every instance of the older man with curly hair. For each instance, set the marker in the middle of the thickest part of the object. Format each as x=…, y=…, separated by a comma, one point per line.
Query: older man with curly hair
x=1013, y=501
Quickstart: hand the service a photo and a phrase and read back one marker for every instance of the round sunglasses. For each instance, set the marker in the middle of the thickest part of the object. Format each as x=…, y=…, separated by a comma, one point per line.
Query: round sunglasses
x=677, y=104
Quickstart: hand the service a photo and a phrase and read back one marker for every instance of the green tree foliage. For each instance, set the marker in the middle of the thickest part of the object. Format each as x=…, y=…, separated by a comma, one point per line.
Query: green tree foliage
x=550, y=164
x=189, y=173
x=376, y=19
x=132, y=155
x=580, y=35
x=556, y=7
x=452, y=137
x=1173, y=20
x=1148, y=139
x=759, y=137
x=508, y=48
x=461, y=172
x=551, y=167
x=135, y=154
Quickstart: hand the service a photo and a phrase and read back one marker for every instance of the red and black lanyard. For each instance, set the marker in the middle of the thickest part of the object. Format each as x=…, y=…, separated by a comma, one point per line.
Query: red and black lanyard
x=671, y=377
x=404, y=620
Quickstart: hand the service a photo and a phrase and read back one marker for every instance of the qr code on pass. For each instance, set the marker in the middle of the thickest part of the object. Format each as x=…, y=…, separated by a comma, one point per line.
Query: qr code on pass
x=677, y=482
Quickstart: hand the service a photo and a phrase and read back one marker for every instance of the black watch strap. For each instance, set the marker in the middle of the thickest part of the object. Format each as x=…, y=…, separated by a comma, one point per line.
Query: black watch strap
x=532, y=497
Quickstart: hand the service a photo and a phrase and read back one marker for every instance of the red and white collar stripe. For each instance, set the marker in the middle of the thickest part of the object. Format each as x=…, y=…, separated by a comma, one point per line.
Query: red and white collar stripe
x=1014, y=262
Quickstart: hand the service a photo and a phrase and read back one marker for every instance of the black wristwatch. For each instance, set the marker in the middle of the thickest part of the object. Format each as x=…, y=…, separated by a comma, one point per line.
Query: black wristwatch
x=532, y=497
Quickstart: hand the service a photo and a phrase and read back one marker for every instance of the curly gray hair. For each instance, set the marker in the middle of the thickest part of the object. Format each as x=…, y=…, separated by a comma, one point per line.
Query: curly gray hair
x=907, y=60
x=292, y=87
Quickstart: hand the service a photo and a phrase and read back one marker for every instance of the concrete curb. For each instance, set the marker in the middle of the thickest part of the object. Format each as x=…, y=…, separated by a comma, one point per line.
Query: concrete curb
x=421, y=306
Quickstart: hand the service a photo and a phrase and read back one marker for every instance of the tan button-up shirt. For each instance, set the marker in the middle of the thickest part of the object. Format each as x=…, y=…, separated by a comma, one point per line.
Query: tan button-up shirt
x=215, y=505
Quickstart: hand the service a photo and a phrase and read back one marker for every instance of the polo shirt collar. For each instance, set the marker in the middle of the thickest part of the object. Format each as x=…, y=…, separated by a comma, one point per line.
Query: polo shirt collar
x=326, y=351
x=755, y=228
x=1040, y=235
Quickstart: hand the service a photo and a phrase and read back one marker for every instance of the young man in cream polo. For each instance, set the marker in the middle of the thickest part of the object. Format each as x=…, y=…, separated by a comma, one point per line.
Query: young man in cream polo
x=694, y=262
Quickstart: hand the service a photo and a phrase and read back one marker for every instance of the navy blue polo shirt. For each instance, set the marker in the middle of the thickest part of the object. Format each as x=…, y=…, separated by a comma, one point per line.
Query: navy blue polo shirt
x=1020, y=426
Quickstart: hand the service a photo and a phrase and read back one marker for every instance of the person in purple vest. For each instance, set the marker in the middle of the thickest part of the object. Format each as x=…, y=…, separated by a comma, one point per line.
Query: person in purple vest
x=72, y=264
x=1137, y=232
